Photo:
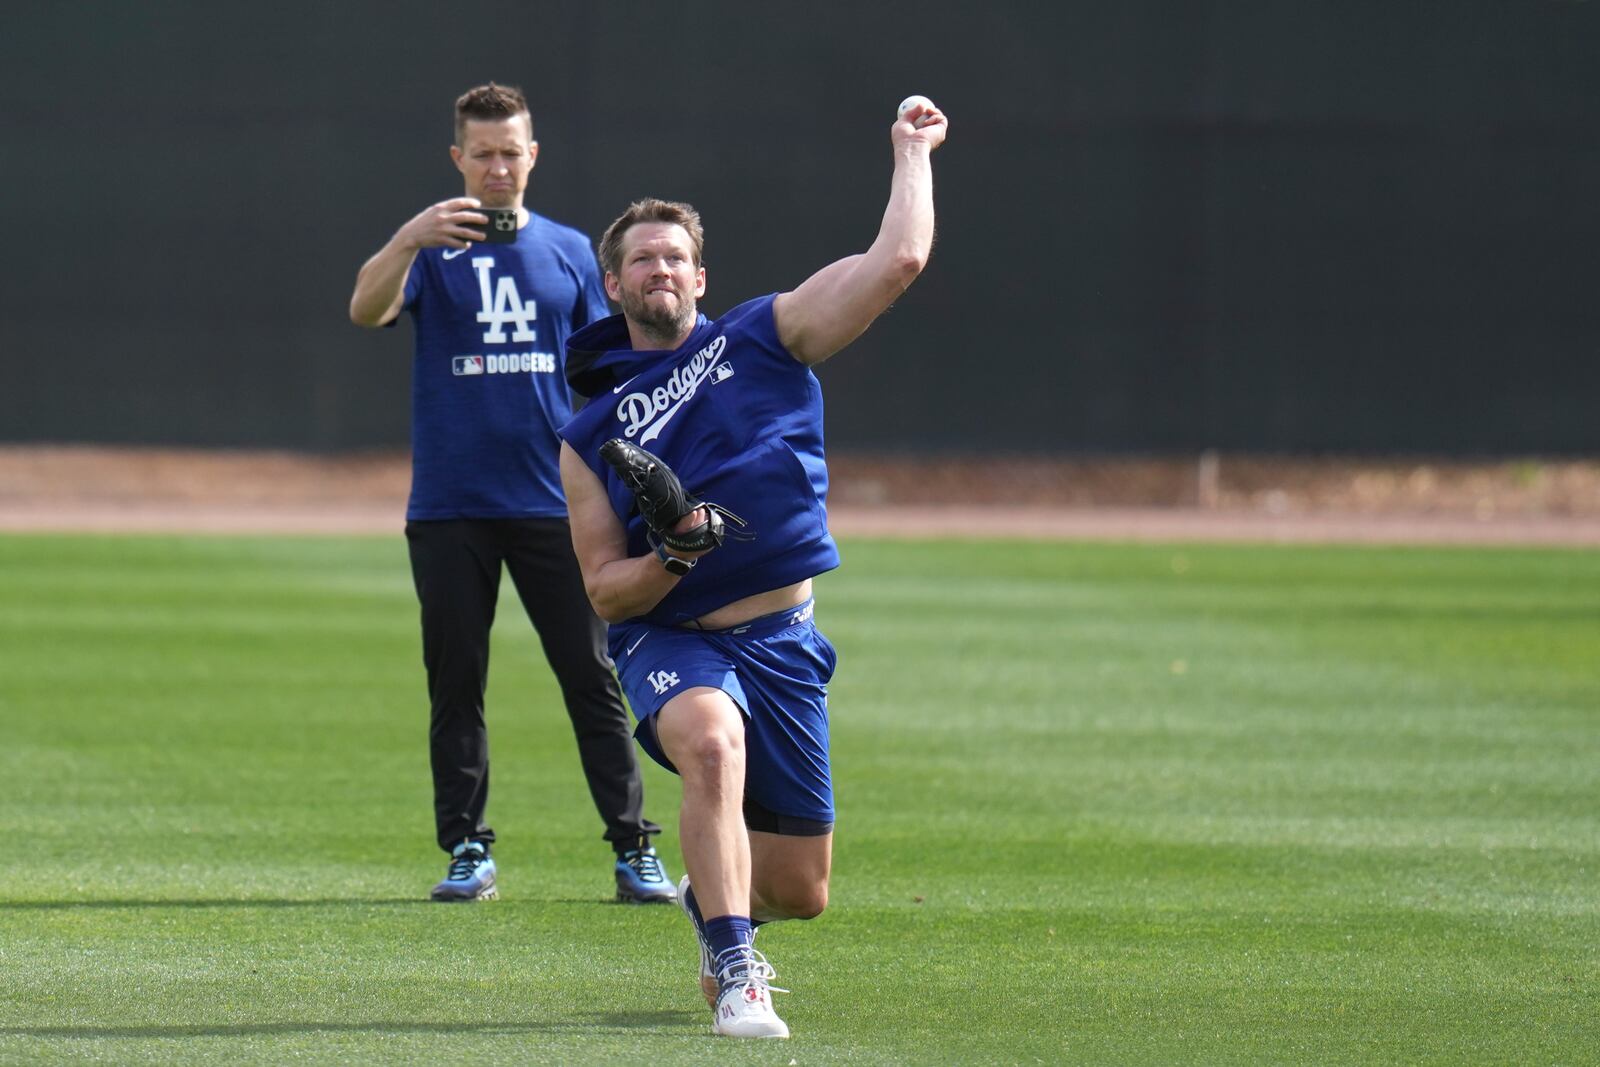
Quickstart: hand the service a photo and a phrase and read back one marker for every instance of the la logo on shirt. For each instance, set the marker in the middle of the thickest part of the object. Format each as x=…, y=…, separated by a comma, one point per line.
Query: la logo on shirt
x=503, y=305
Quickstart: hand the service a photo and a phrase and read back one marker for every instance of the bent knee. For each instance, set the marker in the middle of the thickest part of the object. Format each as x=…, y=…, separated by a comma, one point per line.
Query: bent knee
x=700, y=731
x=803, y=902
x=714, y=751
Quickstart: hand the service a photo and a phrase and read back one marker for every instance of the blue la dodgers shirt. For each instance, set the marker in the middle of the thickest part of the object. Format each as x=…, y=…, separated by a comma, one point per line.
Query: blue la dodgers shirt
x=739, y=420
x=488, y=384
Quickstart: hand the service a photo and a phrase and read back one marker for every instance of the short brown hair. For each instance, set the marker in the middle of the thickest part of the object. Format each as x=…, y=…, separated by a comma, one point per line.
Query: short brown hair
x=492, y=103
x=650, y=210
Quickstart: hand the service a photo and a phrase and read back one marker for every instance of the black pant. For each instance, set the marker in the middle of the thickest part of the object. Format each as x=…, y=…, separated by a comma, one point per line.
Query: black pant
x=456, y=567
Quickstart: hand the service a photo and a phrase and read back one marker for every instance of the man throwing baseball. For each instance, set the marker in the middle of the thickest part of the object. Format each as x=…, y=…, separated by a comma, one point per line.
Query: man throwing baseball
x=696, y=484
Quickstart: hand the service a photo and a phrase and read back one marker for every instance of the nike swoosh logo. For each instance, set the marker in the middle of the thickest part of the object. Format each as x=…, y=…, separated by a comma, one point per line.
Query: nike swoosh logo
x=451, y=253
x=624, y=385
x=636, y=644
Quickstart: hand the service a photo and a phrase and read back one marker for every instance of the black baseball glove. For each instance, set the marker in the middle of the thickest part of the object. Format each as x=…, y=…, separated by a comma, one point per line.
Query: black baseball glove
x=662, y=500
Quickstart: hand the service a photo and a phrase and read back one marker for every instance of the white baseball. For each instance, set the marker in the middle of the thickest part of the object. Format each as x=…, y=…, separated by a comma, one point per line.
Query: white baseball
x=912, y=101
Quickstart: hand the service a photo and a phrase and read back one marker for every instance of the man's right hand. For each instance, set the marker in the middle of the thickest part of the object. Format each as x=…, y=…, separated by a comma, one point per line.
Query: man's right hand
x=381, y=283
x=445, y=223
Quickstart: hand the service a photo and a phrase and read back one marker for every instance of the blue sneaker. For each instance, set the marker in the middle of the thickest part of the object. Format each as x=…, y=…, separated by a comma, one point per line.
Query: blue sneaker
x=641, y=879
x=471, y=875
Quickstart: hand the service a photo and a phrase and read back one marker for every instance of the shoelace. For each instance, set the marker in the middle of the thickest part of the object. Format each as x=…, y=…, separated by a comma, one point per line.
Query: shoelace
x=465, y=865
x=744, y=966
x=646, y=865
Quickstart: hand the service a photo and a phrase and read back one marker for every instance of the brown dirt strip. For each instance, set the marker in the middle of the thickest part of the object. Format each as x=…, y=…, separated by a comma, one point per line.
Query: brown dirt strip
x=1232, y=499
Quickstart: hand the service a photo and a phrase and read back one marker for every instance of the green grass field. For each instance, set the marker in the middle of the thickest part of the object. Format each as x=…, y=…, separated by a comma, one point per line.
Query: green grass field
x=1098, y=804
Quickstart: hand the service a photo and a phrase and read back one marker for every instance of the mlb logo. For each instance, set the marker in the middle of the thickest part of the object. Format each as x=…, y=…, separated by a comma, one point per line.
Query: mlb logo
x=467, y=365
x=721, y=373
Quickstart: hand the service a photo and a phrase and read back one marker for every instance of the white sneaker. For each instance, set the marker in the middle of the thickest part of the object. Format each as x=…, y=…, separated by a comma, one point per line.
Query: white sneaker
x=708, y=973
x=744, y=1005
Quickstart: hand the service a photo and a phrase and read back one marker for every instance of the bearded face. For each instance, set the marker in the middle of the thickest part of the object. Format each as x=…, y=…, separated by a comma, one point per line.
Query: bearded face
x=661, y=310
x=659, y=282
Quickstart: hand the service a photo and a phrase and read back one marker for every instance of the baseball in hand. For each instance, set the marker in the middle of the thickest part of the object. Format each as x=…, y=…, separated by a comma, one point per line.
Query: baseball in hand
x=913, y=101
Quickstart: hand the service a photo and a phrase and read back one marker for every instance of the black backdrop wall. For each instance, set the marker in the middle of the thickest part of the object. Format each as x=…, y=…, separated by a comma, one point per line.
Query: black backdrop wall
x=1267, y=226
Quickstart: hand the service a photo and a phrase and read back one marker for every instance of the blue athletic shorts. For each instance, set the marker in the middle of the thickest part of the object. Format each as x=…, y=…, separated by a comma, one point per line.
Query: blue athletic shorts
x=775, y=668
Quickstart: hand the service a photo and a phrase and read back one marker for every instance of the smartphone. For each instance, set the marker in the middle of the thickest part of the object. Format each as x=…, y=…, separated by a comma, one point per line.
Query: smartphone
x=502, y=228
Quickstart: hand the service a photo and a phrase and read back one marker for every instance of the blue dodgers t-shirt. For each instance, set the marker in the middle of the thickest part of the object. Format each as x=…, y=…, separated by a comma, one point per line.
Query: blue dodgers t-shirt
x=488, y=382
x=739, y=420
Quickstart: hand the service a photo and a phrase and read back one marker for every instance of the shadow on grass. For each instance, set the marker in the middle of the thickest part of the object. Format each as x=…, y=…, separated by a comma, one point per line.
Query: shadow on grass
x=597, y=1023
x=45, y=905
x=325, y=902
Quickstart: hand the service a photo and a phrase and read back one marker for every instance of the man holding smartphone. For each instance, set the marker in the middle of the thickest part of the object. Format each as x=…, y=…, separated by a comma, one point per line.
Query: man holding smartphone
x=494, y=290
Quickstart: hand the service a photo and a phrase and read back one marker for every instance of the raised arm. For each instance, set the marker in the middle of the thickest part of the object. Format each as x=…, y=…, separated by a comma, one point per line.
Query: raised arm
x=381, y=284
x=836, y=305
